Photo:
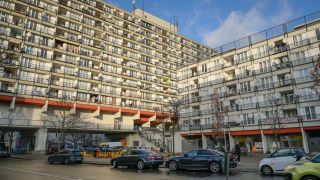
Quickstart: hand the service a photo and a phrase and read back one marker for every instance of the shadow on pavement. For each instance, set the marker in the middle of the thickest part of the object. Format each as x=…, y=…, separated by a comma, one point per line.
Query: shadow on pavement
x=180, y=173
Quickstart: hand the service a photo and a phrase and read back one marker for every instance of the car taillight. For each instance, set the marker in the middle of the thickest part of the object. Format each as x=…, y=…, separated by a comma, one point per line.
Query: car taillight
x=151, y=157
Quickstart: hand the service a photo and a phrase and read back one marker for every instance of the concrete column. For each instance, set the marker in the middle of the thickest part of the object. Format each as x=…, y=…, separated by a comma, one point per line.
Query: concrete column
x=231, y=142
x=204, y=142
x=41, y=141
x=264, y=143
x=177, y=143
x=305, y=141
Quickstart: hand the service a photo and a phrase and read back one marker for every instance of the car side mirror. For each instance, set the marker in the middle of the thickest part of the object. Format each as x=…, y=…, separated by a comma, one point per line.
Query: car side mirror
x=185, y=155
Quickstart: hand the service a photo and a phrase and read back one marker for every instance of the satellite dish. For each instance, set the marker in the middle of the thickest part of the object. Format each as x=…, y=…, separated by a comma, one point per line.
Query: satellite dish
x=250, y=115
x=285, y=59
x=238, y=101
x=277, y=61
x=226, y=103
x=277, y=95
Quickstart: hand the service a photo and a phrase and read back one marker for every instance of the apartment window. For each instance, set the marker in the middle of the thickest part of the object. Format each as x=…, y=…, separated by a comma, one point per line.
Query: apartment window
x=68, y=70
x=245, y=87
x=310, y=112
x=207, y=121
x=31, y=25
x=70, y=59
x=31, y=38
x=248, y=119
x=27, y=76
x=264, y=66
x=26, y=62
x=297, y=40
x=266, y=82
x=44, y=41
x=84, y=74
x=308, y=94
x=33, y=13
x=196, y=122
x=83, y=97
x=300, y=55
x=38, y=91
x=43, y=53
x=204, y=68
x=29, y=50
x=21, y=88
x=303, y=73
x=84, y=85
x=85, y=63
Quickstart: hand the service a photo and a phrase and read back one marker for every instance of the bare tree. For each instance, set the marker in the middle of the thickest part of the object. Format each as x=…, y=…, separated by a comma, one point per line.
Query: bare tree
x=315, y=75
x=80, y=134
x=170, y=111
x=217, y=120
x=63, y=119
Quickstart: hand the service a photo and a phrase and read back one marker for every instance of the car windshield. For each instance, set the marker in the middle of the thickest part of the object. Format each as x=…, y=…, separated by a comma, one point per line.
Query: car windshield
x=316, y=158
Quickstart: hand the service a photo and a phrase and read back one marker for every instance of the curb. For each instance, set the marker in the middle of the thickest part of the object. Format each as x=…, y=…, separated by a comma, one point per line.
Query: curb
x=21, y=158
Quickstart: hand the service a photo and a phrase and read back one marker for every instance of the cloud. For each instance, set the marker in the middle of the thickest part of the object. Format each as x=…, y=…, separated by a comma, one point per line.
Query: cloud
x=239, y=24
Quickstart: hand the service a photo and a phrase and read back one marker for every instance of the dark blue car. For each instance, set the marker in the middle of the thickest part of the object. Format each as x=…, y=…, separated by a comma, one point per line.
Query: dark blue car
x=138, y=158
x=202, y=159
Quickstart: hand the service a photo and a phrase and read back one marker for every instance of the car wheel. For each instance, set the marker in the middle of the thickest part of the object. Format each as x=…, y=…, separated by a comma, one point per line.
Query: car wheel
x=266, y=170
x=50, y=161
x=140, y=165
x=80, y=162
x=309, y=178
x=214, y=167
x=114, y=164
x=173, y=165
x=66, y=161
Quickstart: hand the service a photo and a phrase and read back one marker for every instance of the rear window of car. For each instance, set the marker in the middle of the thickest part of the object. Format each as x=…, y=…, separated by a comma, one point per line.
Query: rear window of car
x=299, y=152
x=281, y=153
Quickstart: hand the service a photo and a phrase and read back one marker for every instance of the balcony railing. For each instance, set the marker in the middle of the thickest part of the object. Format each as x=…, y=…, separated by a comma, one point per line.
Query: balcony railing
x=29, y=123
x=266, y=122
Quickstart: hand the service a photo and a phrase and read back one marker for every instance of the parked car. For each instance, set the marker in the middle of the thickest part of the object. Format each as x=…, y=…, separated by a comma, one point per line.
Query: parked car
x=138, y=158
x=66, y=157
x=4, y=152
x=304, y=169
x=207, y=159
x=279, y=159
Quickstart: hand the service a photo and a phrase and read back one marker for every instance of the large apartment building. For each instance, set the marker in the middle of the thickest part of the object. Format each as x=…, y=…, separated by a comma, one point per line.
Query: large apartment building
x=260, y=87
x=114, y=65
x=117, y=67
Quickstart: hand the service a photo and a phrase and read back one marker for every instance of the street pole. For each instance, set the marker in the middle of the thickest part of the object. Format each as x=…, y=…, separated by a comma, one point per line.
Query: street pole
x=226, y=151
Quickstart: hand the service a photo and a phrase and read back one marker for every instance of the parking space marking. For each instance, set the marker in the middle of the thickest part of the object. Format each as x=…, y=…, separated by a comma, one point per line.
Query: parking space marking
x=39, y=173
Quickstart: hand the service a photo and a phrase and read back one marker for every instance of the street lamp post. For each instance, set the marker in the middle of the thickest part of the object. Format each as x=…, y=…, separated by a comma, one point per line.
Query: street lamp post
x=226, y=105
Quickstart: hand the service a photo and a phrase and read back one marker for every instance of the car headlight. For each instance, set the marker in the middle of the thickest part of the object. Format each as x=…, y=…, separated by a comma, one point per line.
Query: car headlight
x=293, y=166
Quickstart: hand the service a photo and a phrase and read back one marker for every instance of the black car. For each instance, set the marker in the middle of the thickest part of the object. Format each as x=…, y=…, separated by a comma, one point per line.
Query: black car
x=66, y=157
x=201, y=159
x=4, y=152
x=138, y=158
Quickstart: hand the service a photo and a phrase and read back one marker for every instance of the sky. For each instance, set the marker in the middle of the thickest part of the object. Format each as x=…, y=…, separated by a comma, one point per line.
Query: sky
x=218, y=22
